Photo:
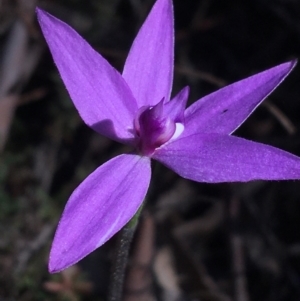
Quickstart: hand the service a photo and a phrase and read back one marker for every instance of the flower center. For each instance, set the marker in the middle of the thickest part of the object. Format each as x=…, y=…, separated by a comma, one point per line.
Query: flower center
x=153, y=128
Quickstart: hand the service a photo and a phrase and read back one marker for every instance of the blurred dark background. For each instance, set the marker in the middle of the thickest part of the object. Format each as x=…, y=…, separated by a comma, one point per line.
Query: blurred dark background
x=195, y=241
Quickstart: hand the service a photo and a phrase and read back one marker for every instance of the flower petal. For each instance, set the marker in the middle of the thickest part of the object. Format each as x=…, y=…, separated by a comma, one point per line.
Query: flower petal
x=175, y=107
x=226, y=109
x=99, y=92
x=215, y=158
x=149, y=66
x=102, y=204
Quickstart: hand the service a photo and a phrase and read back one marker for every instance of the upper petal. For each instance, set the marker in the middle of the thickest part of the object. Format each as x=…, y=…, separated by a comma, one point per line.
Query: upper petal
x=217, y=158
x=99, y=92
x=149, y=66
x=226, y=109
x=102, y=204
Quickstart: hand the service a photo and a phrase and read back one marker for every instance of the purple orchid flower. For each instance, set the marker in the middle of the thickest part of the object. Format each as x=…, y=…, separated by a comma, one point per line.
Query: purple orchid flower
x=135, y=108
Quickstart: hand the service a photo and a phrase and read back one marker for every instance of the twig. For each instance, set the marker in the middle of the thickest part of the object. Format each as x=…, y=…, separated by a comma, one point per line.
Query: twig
x=167, y=276
x=33, y=247
x=238, y=260
x=199, y=277
x=202, y=75
x=280, y=116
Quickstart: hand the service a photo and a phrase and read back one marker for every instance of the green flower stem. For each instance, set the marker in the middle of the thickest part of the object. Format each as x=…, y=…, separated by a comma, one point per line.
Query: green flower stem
x=124, y=240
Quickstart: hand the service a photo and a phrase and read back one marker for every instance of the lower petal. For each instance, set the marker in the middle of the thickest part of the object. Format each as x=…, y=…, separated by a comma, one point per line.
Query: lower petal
x=215, y=158
x=101, y=205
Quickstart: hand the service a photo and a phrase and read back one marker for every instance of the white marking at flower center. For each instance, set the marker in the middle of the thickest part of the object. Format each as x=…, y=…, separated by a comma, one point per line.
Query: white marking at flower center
x=178, y=131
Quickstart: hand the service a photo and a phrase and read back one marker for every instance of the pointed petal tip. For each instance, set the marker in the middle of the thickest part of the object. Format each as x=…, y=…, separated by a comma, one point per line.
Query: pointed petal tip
x=57, y=264
x=186, y=90
x=40, y=12
x=289, y=64
x=44, y=18
x=294, y=62
x=176, y=106
x=53, y=269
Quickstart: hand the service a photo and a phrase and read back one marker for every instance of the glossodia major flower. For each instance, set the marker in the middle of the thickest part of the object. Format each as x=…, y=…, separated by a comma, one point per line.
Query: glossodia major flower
x=135, y=108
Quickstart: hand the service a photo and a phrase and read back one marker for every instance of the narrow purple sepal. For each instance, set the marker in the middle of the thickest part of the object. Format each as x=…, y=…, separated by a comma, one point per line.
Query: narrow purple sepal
x=149, y=66
x=215, y=158
x=226, y=109
x=101, y=205
x=100, y=94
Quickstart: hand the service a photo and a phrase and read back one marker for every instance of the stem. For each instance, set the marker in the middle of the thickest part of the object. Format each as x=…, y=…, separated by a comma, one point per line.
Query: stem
x=124, y=240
